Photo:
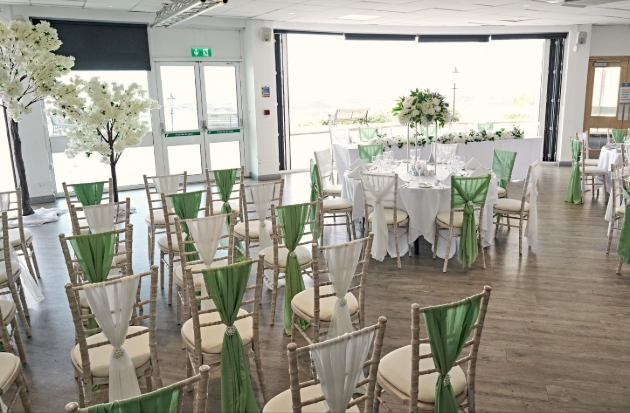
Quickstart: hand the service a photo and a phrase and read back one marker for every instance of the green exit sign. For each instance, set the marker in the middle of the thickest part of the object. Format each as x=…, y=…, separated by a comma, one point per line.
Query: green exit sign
x=201, y=52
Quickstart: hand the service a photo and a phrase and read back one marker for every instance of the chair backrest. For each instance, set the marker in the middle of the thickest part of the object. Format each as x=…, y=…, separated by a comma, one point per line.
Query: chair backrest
x=169, y=215
x=311, y=227
x=366, y=152
x=367, y=133
x=12, y=201
x=249, y=207
x=226, y=241
x=489, y=126
x=470, y=359
x=8, y=257
x=380, y=181
x=531, y=181
x=320, y=272
x=616, y=178
x=138, y=315
x=324, y=162
x=469, y=189
x=73, y=199
x=583, y=136
x=503, y=165
x=6, y=337
x=356, y=341
x=154, y=198
x=122, y=216
x=624, y=154
x=618, y=135
x=176, y=390
x=214, y=192
x=445, y=150
x=123, y=246
x=339, y=135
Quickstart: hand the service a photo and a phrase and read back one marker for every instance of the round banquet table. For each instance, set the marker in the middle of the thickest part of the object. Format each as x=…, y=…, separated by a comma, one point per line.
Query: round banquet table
x=422, y=205
x=609, y=155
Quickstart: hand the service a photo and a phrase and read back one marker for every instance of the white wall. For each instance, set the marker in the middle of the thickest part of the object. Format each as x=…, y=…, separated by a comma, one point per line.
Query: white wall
x=610, y=41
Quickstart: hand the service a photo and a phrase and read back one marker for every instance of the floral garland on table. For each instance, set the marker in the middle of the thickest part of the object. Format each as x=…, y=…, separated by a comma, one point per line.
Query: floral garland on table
x=422, y=108
x=461, y=137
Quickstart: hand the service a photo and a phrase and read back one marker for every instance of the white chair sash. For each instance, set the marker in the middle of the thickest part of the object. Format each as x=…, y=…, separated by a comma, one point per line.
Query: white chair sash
x=380, y=194
x=100, y=218
x=112, y=305
x=167, y=185
x=531, y=230
x=339, y=365
x=262, y=195
x=324, y=162
x=342, y=263
x=207, y=233
x=4, y=202
x=582, y=135
x=340, y=134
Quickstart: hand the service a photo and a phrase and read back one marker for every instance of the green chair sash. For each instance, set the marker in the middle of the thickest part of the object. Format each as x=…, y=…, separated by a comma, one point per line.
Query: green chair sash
x=163, y=400
x=502, y=166
x=366, y=152
x=89, y=193
x=469, y=193
x=623, y=246
x=619, y=135
x=448, y=327
x=225, y=179
x=292, y=219
x=95, y=253
x=365, y=134
x=574, y=190
x=485, y=127
x=187, y=206
x=316, y=190
x=227, y=285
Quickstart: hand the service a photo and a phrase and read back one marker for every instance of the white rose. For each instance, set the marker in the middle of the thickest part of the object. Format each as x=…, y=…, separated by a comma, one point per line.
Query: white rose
x=436, y=102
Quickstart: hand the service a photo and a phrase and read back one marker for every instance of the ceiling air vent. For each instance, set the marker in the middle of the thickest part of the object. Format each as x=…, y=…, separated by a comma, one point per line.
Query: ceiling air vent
x=179, y=11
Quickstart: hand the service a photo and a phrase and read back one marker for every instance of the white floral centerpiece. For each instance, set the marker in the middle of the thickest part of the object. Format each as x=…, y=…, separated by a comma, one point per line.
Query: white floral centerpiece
x=102, y=118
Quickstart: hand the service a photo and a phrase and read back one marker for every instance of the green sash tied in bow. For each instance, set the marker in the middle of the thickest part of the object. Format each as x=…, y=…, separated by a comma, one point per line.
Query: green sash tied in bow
x=502, y=166
x=619, y=135
x=469, y=193
x=623, y=246
x=225, y=179
x=448, y=327
x=89, y=193
x=187, y=206
x=366, y=152
x=292, y=219
x=574, y=190
x=316, y=190
x=163, y=400
x=226, y=286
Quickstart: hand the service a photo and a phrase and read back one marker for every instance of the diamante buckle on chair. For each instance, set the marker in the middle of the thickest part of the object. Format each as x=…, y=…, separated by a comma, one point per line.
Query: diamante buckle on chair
x=292, y=254
x=118, y=352
x=470, y=203
x=342, y=302
x=230, y=330
x=447, y=380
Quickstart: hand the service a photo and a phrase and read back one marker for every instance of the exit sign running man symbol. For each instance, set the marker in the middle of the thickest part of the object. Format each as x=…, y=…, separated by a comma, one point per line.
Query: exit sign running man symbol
x=201, y=52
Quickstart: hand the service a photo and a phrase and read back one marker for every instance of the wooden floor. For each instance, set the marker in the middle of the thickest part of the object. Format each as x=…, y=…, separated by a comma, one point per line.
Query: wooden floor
x=556, y=336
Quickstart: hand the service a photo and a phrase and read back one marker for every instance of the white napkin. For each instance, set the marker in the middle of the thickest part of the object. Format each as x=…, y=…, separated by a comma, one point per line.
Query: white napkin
x=480, y=171
x=356, y=163
x=446, y=181
x=472, y=164
x=356, y=172
x=401, y=182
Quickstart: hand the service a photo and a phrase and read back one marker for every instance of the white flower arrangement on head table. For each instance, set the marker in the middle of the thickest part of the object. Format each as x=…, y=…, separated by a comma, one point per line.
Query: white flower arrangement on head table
x=423, y=108
x=101, y=118
x=460, y=137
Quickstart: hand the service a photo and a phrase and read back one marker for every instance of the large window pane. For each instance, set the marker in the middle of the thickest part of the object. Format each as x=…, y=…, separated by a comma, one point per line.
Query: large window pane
x=605, y=88
x=184, y=158
x=220, y=91
x=6, y=170
x=225, y=155
x=179, y=95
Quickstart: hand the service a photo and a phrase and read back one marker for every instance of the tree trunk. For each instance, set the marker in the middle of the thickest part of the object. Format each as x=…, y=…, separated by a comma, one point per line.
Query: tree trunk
x=112, y=166
x=19, y=166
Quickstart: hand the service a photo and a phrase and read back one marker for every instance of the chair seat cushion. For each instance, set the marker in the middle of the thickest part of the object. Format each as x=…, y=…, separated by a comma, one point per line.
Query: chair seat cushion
x=197, y=278
x=389, y=216
x=158, y=218
x=594, y=170
x=212, y=336
x=216, y=206
x=621, y=209
x=14, y=237
x=591, y=162
x=9, y=367
x=7, y=307
x=283, y=402
x=3, y=272
x=253, y=228
x=458, y=218
x=163, y=242
x=334, y=190
x=395, y=367
x=305, y=303
x=510, y=205
x=137, y=349
x=501, y=192
x=303, y=255
x=334, y=204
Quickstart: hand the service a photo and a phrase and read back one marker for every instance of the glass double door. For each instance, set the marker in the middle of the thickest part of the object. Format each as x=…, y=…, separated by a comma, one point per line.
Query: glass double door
x=200, y=117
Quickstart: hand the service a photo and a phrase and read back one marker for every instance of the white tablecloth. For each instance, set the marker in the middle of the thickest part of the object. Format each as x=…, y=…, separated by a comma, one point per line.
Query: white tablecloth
x=422, y=205
x=528, y=151
x=607, y=157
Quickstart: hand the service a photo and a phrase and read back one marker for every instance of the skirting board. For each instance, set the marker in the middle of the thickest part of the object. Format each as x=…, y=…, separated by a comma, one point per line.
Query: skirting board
x=46, y=199
x=564, y=163
x=264, y=177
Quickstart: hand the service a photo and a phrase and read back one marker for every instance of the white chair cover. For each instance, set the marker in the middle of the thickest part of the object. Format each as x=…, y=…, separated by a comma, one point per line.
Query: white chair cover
x=531, y=230
x=380, y=194
x=112, y=305
x=262, y=195
x=4, y=202
x=100, y=218
x=340, y=134
x=167, y=185
x=582, y=135
x=342, y=263
x=339, y=365
x=324, y=162
x=207, y=232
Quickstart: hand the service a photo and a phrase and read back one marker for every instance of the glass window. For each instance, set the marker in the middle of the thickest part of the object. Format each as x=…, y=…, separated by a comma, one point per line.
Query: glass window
x=225, y=155
x=6, y=169
x=184, y=158
x=179, y=94
x=220, y=91
x=605, y=88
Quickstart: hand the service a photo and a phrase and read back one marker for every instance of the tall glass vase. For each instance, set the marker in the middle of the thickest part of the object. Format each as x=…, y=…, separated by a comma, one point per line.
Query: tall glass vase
x=435, y=146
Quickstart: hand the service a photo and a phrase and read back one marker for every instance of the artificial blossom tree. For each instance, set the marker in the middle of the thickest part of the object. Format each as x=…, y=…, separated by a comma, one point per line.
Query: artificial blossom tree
x=101, y=118
x=29, y=70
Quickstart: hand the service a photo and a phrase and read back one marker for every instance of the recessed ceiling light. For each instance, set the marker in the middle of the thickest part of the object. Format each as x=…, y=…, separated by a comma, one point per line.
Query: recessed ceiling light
x=361, y=17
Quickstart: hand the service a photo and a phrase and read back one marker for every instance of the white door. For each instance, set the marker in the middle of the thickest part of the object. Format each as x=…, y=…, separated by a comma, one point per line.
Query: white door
x=200, y=117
